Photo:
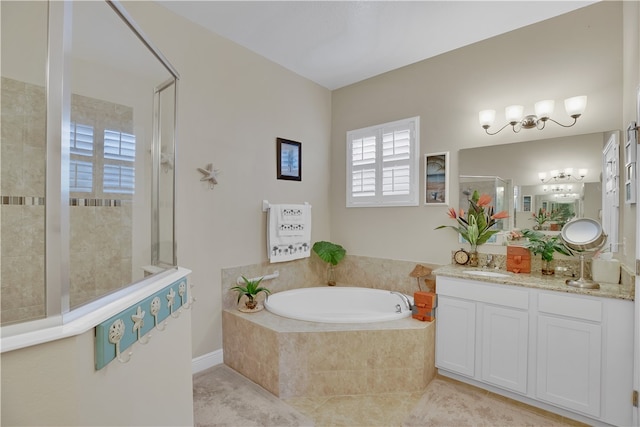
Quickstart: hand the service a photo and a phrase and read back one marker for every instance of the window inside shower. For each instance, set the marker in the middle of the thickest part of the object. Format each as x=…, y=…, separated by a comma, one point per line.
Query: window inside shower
x=87, y=149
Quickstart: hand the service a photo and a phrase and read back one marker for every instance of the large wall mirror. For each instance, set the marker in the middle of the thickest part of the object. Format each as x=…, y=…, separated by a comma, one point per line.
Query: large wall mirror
x=522, y=163
x=106, y=144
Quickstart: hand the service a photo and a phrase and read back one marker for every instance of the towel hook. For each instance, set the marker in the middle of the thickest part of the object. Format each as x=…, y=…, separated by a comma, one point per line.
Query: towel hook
x=182, y=291
x=155, y=309
x=170, y=297
x=138, y=323
x=116, y=332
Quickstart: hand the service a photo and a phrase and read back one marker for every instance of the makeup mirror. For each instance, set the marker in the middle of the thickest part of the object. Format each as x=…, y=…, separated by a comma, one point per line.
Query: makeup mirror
x=583, y=235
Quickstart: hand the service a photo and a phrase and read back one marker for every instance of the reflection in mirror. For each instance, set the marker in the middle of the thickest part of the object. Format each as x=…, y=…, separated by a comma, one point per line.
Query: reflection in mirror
x=496, y=187
x=523, y=162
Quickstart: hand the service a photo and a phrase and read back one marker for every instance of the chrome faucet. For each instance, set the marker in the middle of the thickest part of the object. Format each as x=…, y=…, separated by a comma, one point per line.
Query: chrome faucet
x=489, y=263
x=404, y=298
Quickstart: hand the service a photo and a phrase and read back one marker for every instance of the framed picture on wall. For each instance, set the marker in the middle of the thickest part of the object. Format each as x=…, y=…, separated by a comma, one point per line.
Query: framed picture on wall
x=289, y=159
x=436, y=167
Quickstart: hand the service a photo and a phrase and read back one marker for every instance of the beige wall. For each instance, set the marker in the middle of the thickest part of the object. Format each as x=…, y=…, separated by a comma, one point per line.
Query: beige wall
x=578, y=53
x=56, y=383
x=232, y=105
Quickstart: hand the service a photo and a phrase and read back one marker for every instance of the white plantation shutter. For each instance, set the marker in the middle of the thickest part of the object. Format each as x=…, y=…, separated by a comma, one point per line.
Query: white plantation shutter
x=382, y=164
x=119, y=157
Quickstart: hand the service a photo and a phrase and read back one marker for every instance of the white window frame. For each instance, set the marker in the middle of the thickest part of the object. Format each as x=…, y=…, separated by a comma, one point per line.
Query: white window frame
x=378, y=199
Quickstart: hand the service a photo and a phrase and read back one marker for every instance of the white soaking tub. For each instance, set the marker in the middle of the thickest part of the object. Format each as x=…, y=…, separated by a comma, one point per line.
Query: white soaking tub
x=339, y=304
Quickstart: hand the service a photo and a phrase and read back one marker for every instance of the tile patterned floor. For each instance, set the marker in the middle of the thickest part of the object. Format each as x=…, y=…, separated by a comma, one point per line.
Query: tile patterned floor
x=219, y=394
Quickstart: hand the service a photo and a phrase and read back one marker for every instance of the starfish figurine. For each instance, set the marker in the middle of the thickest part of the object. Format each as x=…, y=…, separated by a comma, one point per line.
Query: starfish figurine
x=209, y=174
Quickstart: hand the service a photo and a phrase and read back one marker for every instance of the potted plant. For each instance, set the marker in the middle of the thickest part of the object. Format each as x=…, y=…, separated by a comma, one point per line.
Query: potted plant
x=332, y=254
x=250, y=289
x=546, y=246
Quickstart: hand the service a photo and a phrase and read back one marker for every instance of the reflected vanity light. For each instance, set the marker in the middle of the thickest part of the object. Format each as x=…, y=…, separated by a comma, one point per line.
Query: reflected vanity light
x=515, y=117
x=565, y=175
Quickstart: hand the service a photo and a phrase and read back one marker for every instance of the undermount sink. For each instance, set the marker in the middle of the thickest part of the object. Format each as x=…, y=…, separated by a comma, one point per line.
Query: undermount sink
x=485, y=273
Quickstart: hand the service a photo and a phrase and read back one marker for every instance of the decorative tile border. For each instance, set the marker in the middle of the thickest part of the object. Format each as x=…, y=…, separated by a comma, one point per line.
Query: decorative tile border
x=73, y=201
x=22, y=200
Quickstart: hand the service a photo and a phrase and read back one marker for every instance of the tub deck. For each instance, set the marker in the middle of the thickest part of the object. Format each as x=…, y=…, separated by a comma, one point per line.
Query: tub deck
x=295, y=358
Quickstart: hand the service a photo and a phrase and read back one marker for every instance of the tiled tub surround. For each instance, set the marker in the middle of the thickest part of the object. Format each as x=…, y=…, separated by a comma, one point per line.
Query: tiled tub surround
x=100, y=223
x=293, y=358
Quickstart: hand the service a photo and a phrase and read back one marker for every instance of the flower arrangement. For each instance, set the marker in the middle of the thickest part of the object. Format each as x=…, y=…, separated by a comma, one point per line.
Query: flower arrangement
x=477, y=227
x=542, y=216
x=514, y=235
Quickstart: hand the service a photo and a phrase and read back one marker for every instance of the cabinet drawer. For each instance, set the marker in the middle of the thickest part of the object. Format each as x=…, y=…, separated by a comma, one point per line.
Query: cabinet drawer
x=570, y=306
x=505, y=295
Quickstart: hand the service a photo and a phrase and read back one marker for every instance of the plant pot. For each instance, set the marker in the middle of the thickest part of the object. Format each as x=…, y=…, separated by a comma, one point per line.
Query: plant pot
x=473, y=256
x=547, y=268
x=331, y=275
x=251, y=304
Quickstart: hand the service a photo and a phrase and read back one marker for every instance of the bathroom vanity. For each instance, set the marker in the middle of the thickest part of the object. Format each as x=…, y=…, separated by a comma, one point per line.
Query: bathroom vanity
x=538, y=341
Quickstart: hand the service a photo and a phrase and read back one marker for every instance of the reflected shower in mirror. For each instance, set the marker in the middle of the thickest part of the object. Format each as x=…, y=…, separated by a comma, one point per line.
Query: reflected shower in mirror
x=521, y=164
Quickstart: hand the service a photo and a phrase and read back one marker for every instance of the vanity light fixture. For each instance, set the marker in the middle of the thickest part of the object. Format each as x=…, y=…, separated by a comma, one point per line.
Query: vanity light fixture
x=514, y=114
x=566, y=175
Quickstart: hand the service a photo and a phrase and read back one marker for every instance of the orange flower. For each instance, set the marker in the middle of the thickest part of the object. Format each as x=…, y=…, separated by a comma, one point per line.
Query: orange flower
x=484, y=200
x=452, y=213
x=461, y=214
x=500, y=215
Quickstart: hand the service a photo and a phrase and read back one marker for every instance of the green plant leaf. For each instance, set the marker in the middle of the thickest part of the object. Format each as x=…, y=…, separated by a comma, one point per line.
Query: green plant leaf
x=329, y=252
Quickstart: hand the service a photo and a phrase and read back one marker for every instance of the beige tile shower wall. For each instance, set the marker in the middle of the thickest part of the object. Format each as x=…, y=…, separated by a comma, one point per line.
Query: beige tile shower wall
x=100, y=241
x=100, y=250
x=22, y=174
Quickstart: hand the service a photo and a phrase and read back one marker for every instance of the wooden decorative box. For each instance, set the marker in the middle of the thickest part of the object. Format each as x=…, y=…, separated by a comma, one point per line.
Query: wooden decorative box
x=518, y=259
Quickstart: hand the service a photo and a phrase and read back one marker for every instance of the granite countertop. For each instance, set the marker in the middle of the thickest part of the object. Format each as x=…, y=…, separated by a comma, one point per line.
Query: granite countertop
x=536, y=280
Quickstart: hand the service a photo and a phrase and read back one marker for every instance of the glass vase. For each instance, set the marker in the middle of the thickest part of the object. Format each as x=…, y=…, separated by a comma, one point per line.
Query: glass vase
x=331, y=275
x=473, y=256
x=547, y=267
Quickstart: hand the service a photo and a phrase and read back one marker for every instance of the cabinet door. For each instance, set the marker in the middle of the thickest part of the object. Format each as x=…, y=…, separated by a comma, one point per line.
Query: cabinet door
x=505, y=335
x=569, y=363
x=455, y=335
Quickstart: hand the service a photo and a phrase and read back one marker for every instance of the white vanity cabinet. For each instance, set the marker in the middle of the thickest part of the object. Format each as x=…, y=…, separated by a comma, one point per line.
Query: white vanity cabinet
x=569, y=352
x=564, y=352
x=482, y=332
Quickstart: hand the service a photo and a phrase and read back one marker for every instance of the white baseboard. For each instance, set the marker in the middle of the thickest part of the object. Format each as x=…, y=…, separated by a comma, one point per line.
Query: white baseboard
x=206, y=361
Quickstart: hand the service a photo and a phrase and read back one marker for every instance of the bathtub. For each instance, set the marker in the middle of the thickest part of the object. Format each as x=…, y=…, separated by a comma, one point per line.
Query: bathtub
x=338, y=305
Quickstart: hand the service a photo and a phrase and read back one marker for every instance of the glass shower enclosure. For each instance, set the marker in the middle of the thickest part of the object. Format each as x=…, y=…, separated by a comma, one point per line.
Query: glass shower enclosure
x=87, y=157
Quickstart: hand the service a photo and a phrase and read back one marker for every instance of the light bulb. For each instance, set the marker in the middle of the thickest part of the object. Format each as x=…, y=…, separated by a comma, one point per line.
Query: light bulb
x=575, y=106
x=514, y=113
x=544, y=109
x=486, y=118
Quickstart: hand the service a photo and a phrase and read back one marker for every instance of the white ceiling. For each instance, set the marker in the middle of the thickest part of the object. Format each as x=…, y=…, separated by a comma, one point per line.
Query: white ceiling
x=337, y=43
